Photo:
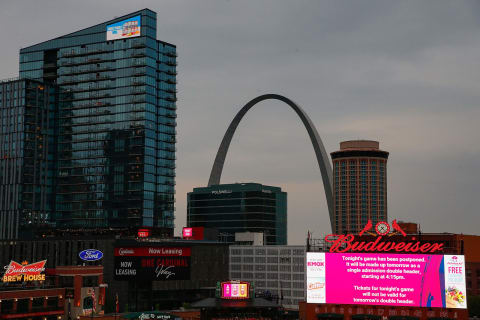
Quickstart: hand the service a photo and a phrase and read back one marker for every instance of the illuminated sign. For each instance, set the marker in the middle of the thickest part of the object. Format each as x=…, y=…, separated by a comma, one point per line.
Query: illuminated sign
x=91, y=255
x=152, y=263
x=124, y=29
x=187, y=232
x=413, y=280
x=348, y=243
x=143, y=233
x=235, y=290
x=194, y=233
x=24, y=272
x=221, y=191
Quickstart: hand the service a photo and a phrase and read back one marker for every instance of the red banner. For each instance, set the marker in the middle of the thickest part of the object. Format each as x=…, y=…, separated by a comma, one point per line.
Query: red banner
x=153, y=252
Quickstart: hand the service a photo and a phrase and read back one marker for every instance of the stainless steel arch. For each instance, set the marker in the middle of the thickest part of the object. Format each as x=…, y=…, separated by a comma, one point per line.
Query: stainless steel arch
x=322, y=157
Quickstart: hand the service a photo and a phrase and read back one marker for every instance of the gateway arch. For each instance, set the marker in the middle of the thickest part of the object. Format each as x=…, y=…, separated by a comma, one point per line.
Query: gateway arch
x=322, y=157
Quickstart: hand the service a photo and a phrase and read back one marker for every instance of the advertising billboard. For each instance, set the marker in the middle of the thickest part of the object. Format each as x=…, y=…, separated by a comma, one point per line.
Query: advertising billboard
x=235, y=290
x=414, y=280
x=152, y=263
x=124, y=29
x=17, y=272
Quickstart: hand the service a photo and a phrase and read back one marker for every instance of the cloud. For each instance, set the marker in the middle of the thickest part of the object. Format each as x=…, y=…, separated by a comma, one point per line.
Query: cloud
x=403, y=72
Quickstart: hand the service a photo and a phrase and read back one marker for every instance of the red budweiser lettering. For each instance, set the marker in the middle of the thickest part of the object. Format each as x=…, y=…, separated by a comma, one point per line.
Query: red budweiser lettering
x=345, y=243
x=14, y=268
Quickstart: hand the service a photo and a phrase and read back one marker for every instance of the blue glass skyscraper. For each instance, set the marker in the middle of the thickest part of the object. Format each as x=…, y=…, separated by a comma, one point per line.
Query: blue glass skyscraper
x=115, y=124
x=26, y=151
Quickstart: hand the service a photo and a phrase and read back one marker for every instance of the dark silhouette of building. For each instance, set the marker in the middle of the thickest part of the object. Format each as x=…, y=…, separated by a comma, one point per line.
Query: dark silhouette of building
x=240, y=207
x=27, y=145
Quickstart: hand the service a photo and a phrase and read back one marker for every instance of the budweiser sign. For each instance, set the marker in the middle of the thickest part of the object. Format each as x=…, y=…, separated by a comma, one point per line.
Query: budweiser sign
x=24, y=272
x=349, y=243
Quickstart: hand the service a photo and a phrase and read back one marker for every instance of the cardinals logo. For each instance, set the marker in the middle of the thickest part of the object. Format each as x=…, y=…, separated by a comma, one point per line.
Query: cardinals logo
x=382, y=228
x=24, y=272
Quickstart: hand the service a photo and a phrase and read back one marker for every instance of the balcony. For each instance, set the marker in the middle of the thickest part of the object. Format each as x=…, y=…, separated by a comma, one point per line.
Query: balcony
x=138, y=45
x=170, y=90
x=136, y=100
x=84, y=52
x=171, y=63
x=49, y=65
x=92, y=69
x=95, y=60
x=91, y=96
x=137, y=91
x=138, y=54
x=89, y=79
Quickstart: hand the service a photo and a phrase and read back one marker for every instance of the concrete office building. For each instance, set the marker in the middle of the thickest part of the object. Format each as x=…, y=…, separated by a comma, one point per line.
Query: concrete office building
x=359, y=185
x=275, y=271
x=240, y=207
x=114, y=123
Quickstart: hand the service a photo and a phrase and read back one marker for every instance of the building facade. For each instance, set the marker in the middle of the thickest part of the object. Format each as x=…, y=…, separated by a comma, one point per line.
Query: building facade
x=27, y=147
x=240, y=207
x=67, y=292
x=276, y=271
x=359, y=185
x=115, y=123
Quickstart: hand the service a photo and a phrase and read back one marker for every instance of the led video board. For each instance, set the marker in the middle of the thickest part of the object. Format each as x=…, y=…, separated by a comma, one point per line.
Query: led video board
x=152, y=263
x=414, y=280
x=124, y=29
x=235, y=290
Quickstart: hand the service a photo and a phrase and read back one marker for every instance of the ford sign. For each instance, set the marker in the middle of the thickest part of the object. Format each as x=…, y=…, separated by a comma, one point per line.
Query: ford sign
x=91, y=255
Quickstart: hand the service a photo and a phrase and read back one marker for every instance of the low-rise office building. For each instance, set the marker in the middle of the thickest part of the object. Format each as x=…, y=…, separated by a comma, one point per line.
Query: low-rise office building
x=277, y=272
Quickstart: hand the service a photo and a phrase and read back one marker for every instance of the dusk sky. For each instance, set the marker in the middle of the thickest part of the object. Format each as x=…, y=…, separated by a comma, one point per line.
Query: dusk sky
x=405, y=73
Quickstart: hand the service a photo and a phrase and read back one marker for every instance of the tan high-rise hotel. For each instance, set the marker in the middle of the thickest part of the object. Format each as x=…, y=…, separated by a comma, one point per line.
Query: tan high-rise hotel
x=359, y=185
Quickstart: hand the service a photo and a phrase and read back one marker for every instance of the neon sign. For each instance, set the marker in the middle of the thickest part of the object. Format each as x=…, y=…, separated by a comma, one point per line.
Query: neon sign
x=347, y=243
x=24, y=272
x=143, y=233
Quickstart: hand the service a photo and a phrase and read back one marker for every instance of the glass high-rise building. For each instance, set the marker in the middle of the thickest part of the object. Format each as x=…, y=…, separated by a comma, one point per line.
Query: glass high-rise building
x=27, y=148
x=359, y=185
x=240, y=207
x=115, y=123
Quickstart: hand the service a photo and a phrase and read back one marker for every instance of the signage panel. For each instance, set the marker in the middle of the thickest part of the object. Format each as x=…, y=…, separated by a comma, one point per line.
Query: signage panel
x=91, y=255
x=187, y=232
x=235, y=290
x=152, y=263
x=193, y=233
x=15, y=272
x=414, y=280
x=124, y=29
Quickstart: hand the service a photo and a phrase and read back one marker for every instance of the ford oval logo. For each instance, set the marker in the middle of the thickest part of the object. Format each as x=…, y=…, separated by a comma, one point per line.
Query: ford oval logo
x=91, y=255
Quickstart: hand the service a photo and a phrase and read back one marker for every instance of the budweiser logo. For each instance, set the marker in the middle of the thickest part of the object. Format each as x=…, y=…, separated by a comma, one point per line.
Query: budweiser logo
x=28, y=272
x=348, y=243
